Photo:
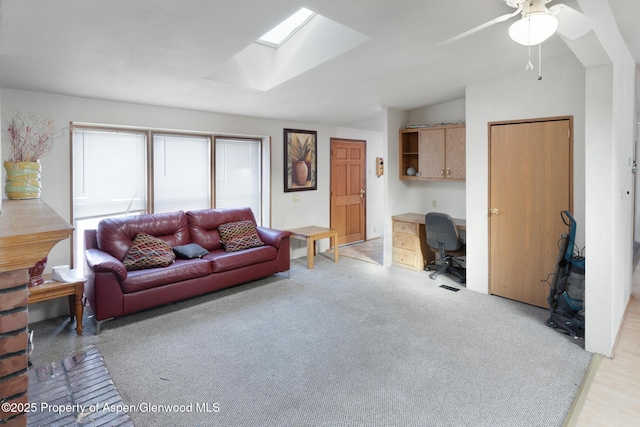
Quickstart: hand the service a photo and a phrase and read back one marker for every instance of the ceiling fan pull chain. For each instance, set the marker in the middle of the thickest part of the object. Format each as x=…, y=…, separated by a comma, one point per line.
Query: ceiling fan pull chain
x=529, y=66
x=540, y=61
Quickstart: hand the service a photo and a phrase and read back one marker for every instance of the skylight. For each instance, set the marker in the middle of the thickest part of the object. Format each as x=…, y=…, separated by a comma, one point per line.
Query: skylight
x=286, y=28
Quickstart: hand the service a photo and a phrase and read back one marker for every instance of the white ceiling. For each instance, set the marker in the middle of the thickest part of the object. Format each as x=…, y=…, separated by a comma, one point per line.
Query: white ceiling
x=158, y=52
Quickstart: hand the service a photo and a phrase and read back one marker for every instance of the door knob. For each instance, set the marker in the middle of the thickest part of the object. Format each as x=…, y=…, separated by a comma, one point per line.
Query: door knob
x=362, y=193
x=495, y=211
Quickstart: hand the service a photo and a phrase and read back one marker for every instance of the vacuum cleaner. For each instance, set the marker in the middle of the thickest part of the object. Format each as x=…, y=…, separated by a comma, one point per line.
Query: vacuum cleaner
x=566, y=292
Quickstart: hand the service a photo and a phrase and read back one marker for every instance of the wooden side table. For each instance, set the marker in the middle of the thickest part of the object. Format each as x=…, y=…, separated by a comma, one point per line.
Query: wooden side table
x=313, y=233
x=52, y=289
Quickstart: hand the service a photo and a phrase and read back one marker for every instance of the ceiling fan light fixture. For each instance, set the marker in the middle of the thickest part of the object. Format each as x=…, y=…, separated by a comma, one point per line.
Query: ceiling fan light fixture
x=533, y=28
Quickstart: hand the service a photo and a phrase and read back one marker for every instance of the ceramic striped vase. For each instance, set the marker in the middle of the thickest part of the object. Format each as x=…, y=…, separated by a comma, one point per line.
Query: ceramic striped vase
x=23, y=180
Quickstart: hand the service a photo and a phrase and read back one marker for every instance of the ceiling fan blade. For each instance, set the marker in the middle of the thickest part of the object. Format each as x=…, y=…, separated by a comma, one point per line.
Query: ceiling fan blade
x=571, y=23
x=501, y=18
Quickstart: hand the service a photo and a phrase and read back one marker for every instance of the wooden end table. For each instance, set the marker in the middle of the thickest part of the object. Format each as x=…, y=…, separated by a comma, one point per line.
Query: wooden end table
x=52, y=289
x=313, y=233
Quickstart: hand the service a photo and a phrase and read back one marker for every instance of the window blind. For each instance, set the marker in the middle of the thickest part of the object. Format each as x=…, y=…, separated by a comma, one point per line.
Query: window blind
x=109, y=173
x=238, y=171
x=181, y=173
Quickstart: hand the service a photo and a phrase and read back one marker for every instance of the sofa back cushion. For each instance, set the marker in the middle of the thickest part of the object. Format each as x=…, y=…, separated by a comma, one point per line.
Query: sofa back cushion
x=204, y=223
x=115, y=235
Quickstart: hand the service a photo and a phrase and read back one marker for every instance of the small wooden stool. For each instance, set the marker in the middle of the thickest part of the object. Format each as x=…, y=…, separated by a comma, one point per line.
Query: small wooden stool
x=313, y=233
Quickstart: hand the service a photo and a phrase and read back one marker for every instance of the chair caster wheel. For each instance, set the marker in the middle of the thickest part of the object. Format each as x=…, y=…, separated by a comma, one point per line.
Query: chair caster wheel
x=433, y=276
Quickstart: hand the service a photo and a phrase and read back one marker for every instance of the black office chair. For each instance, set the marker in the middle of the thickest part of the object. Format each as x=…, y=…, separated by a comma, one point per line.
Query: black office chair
x=444, y=240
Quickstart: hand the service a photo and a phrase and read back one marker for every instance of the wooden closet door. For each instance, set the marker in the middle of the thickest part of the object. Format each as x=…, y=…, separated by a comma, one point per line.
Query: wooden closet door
x=530, y=184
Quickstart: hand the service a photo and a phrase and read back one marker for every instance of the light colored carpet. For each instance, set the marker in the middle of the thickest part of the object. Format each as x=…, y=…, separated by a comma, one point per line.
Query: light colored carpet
x=346, y=344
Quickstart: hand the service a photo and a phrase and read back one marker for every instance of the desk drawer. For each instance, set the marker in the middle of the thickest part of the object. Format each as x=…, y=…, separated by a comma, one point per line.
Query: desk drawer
x=405, y=227
x=406, y=258
x=402, y=241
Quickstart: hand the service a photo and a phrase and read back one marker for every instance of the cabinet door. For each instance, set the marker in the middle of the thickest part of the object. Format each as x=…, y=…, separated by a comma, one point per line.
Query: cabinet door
x=455, y=153
x=431, y=156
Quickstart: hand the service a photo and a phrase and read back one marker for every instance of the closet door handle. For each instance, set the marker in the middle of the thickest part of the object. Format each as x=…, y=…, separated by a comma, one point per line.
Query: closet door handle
x=495, y=211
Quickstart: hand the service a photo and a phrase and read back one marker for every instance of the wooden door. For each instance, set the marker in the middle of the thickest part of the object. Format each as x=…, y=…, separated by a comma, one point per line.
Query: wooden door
x=530, y=184
x=348, y=189
x=455, y=153
x=431, y=154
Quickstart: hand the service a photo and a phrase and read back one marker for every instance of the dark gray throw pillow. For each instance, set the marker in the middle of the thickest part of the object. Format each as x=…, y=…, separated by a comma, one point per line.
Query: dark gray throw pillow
x=189, y=251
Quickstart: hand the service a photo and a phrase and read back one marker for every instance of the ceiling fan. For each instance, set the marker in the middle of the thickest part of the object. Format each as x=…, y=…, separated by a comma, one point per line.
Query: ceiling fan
x=537, y=23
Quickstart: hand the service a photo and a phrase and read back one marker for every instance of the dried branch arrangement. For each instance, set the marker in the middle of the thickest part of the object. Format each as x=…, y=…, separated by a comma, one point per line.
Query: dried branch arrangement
x=30, y=139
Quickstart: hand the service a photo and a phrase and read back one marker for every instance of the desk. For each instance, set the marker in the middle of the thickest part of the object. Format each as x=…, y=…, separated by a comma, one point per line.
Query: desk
x=410, y=249
x=313, y=233
x=52, y=289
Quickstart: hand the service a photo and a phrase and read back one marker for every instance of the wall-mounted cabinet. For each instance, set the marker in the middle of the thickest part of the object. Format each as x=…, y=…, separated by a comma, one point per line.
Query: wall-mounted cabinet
x=435, y=153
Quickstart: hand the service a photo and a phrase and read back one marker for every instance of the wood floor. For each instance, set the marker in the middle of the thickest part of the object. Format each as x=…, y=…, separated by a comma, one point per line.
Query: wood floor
x=613, y=397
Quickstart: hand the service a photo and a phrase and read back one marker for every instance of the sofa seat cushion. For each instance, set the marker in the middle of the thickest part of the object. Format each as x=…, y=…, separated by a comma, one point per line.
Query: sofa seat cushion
x=181, y=269
x=224, y=261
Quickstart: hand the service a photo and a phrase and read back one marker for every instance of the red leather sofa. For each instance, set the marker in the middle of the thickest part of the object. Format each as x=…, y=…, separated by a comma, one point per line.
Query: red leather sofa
x=114, y=291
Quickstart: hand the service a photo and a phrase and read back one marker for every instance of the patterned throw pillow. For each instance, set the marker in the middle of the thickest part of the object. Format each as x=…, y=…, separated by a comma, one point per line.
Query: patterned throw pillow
x=236, y=236
x=147, y=251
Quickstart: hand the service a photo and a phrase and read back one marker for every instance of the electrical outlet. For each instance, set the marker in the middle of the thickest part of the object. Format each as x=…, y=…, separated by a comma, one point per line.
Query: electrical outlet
x=434, y=203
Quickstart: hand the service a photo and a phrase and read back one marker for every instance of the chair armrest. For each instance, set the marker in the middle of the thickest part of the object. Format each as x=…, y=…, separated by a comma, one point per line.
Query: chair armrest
x=102, y=262
x=271, y=236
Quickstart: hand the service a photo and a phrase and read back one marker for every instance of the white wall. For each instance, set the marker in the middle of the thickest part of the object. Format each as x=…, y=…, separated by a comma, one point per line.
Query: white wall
x=312, y=207
x=599, y=159
x=637, y=150
x=610, y=130
x=396, y=194
x=452, y=112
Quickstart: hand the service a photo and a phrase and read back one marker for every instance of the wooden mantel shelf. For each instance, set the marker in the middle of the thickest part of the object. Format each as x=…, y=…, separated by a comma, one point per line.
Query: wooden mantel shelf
x=29, y=229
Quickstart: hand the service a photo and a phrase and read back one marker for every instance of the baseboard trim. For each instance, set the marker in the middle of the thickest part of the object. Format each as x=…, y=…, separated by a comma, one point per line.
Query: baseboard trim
x=578, y=403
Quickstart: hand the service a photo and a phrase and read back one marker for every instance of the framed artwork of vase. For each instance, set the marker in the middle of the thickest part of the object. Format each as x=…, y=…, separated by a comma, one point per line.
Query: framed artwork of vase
x=300, y=165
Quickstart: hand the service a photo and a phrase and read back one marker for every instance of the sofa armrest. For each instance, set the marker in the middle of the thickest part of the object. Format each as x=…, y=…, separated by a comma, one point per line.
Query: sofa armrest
x=102, y=262
x=271, y=236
